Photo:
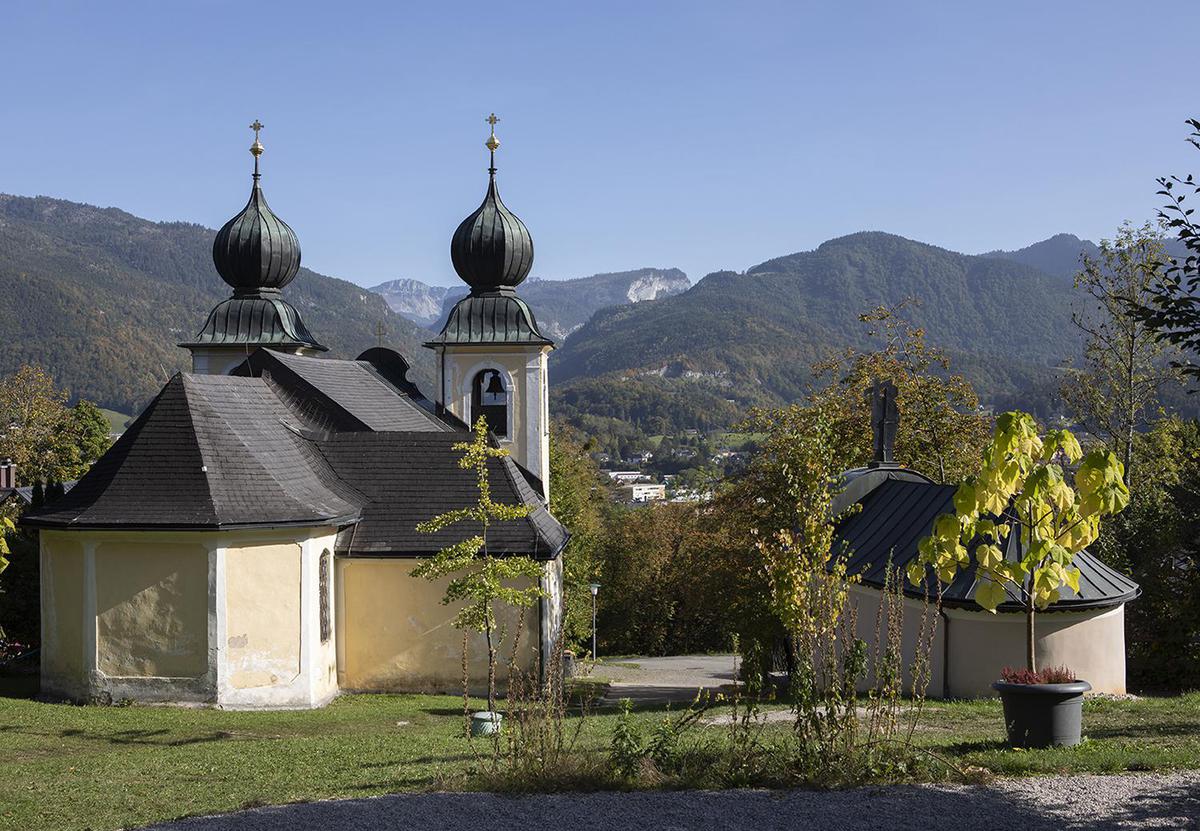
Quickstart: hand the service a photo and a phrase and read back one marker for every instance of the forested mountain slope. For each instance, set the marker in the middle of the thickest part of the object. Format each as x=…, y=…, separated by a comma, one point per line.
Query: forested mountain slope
x=100, y=298
x=742, y=339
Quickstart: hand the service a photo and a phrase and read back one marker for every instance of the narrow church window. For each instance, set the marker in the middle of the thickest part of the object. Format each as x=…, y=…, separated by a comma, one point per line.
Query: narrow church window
x=489, y=398
x=323, y=593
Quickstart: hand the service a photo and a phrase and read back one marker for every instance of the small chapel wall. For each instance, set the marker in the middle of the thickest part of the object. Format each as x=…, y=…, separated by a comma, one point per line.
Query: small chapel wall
x=152, y=609
x=981, y=644
x=1092, y=643
x=63, y=670
x=395, y=635
x=262, y=619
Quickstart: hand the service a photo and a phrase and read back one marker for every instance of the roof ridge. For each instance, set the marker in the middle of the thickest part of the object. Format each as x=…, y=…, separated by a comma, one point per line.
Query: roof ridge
x=184, y=380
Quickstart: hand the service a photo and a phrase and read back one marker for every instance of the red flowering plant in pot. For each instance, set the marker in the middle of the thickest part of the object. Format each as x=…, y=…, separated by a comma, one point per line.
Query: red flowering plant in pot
x=1021, y=503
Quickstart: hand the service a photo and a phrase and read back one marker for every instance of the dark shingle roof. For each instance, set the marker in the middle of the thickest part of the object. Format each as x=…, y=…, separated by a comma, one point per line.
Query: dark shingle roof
x=406, y=478
x=900, y=510
x=352, y=392
x=310, y=441
x=210, y=451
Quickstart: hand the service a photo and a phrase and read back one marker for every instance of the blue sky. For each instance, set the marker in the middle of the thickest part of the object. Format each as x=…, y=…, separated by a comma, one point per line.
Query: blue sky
x=700, y=135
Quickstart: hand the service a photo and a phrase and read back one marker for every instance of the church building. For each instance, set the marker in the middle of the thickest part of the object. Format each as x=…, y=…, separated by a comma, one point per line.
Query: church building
x=249, y=541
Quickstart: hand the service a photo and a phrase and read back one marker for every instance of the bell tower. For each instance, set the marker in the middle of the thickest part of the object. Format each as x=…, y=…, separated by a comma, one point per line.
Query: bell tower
x=491, y=358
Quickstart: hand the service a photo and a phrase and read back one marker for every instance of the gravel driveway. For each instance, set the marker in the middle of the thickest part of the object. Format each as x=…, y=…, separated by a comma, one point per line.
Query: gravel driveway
x=1132, y=801
x=674, y=678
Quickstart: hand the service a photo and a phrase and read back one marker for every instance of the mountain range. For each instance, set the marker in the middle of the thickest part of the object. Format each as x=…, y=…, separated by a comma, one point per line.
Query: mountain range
x=101, y=298
x=736, y=340
x=561, y=306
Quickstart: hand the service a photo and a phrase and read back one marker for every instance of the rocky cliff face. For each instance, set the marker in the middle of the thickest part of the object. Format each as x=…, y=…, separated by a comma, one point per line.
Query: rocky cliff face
x=561, y=306
x=415, y=300
x=654, y=284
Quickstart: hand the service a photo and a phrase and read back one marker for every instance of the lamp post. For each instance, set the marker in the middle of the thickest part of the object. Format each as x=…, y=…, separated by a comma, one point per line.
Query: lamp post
x=595, y=587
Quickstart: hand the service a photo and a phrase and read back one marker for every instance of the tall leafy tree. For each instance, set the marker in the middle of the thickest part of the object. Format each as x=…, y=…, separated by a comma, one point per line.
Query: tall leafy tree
x=577, y=500
x=1172, y=308
x=47, y=440
x=1116, y=392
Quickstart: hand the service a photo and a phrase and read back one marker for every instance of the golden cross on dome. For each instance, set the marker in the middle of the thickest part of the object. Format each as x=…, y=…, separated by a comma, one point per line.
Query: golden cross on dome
x=492, y=143
x=380, y=331
x=256, y=149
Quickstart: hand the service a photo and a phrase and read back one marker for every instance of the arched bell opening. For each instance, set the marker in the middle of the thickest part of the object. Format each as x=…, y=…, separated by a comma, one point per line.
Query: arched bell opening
x=490, y=399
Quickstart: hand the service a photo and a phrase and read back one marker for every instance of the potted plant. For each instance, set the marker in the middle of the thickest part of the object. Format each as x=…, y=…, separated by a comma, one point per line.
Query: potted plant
x=1020, y=502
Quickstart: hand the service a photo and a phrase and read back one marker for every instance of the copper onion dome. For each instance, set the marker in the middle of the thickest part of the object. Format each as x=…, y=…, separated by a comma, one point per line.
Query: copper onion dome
x=256, y=251
x=492, y=249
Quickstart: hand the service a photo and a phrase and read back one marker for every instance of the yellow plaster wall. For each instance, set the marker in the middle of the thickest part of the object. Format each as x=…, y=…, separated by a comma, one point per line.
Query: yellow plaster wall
x=62, y=609
x=394, y=633
x=152, y=609
x=262, y=603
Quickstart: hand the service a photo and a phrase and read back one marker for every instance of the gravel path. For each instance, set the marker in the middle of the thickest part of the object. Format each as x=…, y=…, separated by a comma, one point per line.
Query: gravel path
x=675, y=678
x=1065, y=803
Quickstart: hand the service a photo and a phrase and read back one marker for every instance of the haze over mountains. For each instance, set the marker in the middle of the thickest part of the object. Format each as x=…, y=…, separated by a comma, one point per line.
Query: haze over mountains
x=101, y=298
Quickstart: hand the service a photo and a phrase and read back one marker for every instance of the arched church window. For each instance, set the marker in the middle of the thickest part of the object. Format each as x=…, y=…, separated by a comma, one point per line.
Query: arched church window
x=323, y=593
x=489, y=398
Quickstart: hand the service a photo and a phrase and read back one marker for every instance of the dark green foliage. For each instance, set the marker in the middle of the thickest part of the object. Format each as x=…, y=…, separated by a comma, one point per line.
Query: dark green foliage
x=578, y=499
x=753, y=337
x=100, y=298
x=1059, y=255
x=1156, y=540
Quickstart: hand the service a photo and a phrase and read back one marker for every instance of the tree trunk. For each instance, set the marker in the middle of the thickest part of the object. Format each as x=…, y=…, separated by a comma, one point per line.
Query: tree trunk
x=487, y=626
x=1030, y=643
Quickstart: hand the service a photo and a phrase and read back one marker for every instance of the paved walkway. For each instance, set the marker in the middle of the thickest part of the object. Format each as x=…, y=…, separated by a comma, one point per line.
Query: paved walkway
x=1100, y=803
x=672, y=679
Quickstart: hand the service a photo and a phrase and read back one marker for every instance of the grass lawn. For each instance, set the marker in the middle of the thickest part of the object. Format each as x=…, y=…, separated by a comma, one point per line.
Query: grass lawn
x=116, y=420
x=65, y=767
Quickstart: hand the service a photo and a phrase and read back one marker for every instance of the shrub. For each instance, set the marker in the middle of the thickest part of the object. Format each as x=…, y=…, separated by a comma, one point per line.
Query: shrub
x=1046, y=675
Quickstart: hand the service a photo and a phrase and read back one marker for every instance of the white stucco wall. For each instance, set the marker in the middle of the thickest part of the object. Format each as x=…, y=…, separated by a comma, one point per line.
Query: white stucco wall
x=1092, y=643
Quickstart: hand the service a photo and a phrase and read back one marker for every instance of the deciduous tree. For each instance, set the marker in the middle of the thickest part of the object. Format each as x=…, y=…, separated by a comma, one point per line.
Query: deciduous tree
x=1022, y=496
x=1116, y=393
x=478, y=578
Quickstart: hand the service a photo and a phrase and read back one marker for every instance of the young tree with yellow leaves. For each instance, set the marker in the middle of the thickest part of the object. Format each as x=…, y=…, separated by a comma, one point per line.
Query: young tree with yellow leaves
x=1021, y=495
x=478, y=579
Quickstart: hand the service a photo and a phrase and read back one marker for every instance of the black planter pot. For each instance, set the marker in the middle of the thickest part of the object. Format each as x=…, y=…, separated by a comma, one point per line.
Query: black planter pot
x=1043, y=715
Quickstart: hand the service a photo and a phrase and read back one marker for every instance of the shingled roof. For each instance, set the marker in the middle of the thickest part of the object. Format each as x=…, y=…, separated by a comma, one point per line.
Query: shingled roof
x=298, y=442
x=209, y=452
x=898, y=508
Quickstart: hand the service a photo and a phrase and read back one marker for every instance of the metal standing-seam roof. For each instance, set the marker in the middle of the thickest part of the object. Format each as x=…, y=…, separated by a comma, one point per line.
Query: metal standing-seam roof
x=898, y=512
x=261, y=320
x=494, y=317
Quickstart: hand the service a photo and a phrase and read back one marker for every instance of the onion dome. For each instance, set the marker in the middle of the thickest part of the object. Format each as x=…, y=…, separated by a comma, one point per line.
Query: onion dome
x=256, y=251
x=492, y=252
x=492, y=249
x=258, y=254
